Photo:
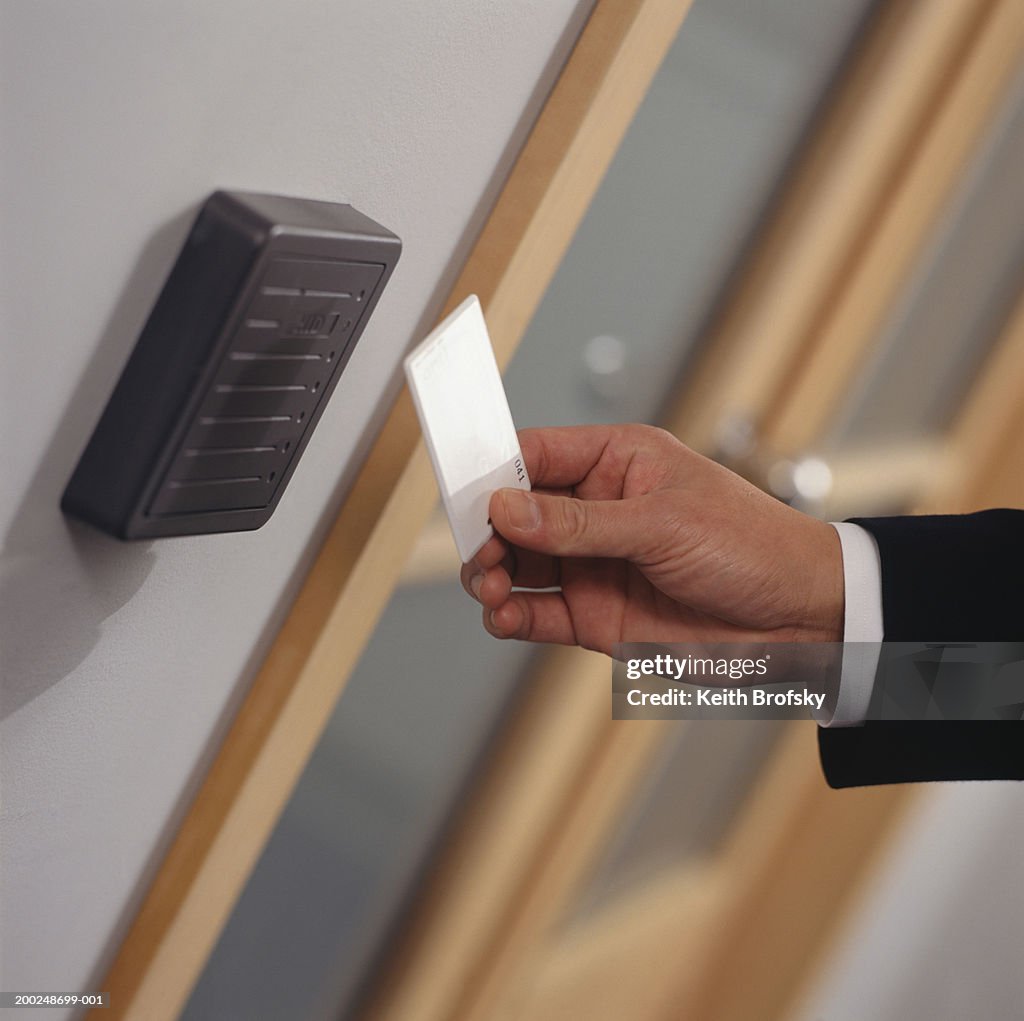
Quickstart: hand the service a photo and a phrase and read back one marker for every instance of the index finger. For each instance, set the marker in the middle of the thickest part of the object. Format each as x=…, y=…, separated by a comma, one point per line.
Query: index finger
x=563, y=455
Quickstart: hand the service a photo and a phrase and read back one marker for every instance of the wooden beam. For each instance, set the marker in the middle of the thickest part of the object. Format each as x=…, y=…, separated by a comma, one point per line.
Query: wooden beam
x=627, y=959
x=620, y=756
x=881, y=477
x=986, y=442
x=434, y=557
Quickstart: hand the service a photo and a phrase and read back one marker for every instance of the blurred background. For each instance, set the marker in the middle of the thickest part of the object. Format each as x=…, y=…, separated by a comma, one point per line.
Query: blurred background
x=806, y=260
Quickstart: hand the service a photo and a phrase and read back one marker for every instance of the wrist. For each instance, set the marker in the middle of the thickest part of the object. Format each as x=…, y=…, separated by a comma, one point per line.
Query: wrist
x=825, y=603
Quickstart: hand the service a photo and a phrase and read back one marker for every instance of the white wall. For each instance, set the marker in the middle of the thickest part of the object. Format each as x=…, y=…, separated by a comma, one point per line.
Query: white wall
x=121, y=664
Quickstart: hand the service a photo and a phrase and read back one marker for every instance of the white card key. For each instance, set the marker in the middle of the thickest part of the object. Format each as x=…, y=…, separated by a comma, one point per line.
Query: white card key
x=466, y=422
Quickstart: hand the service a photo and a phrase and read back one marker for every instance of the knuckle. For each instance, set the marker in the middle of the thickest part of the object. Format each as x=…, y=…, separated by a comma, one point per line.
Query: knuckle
x=663, y=439
x=573, y=521
x=653, y=441
x=642, y=432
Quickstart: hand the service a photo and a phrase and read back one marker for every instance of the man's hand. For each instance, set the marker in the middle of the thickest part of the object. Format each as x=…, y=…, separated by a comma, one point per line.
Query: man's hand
x=647, y=541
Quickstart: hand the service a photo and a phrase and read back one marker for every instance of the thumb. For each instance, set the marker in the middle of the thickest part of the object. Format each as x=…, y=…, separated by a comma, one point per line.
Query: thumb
x=565, y=526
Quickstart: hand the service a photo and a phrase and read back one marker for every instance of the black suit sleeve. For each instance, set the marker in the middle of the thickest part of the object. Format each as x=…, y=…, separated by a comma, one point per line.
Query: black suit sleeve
x=944, y=578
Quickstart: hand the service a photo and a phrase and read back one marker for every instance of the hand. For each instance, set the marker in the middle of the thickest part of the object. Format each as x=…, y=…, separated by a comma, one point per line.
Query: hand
x=647, y=541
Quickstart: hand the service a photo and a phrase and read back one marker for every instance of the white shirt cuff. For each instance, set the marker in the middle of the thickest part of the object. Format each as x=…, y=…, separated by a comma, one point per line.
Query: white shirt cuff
x=862, y=628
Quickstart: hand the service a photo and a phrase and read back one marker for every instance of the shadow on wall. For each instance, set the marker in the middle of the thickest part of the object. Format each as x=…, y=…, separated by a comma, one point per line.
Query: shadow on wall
x=59, y=579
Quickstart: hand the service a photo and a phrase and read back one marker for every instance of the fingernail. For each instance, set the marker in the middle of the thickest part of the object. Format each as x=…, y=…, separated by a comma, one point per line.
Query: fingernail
x=475, y=582
x=522, y=509
x=494, y=623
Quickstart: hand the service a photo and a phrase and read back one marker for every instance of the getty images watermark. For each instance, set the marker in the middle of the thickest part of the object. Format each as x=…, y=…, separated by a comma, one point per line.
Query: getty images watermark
x=766, y=680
